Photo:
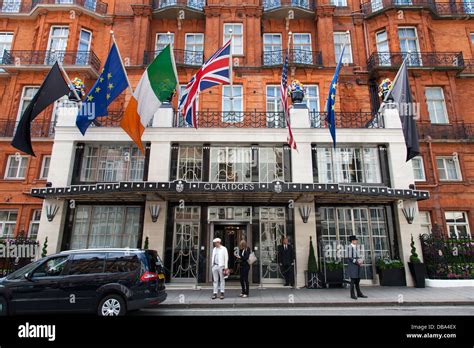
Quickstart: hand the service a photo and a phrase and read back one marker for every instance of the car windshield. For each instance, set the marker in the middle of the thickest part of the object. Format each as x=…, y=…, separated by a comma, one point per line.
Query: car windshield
x=20, y=274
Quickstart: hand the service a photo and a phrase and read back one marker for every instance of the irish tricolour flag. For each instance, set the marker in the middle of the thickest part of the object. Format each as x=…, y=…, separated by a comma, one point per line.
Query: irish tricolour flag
x=156, y=86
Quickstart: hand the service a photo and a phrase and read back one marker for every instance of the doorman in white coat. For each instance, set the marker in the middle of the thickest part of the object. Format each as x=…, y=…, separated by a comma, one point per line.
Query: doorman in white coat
x=220, y=266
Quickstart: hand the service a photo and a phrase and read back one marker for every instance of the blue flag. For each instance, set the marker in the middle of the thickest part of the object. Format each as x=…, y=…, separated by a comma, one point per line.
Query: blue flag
x=111, y=82
x=331, y=117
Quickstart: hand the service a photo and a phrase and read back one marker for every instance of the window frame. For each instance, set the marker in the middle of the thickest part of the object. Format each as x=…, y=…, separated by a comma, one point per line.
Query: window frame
x=9, y=159
x=277, y=98
x=238, y=118
x=34, y=221
x=6, y=34
x=226, y=37
x=455, y=224
x=43, y=166
x=4, y=223
x=456, y=165
x=307, y=99
x=22, y=100
x=348, y=45
x=422, y=168
x=442, y=101
x=169, y=35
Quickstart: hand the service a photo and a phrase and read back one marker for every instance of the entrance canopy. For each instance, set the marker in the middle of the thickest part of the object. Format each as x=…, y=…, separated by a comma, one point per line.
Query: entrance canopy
x=274, y=192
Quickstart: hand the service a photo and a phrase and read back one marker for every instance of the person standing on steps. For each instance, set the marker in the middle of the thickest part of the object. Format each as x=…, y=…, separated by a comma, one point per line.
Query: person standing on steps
x=286, y=261
x=220, y=265
x=243, y=256
x=354, y=263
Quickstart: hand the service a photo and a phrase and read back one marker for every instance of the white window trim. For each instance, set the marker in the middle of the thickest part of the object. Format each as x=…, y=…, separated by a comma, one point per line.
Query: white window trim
x=90, y=41
x=317, y=99
x=422, y=167
x=6, y=177
x=386, y=40
x=240, y=54
x=20, y=105
x=278, y=98
x=348, y=44
x=456, y=164
x=310, y=40
x=468, y=228
x=41, y=176
x=232, y=101
x=166, y=34
x=51, y=32
x=33, y=221
x=445, y=110
x=194, y=34
x=417, y=41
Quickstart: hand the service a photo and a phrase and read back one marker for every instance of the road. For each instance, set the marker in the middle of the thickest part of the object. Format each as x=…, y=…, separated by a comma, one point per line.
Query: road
x=302, y=311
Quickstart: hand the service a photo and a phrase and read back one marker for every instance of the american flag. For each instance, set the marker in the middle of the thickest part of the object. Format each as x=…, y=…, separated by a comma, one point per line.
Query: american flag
x=285, y=103
x=215, y=71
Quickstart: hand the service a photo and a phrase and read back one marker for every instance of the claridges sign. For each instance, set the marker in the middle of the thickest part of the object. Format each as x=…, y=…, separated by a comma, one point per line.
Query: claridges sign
x=228, y=187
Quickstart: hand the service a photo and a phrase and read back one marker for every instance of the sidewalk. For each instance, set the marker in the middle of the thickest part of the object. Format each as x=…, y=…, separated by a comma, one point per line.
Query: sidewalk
x=287, y=297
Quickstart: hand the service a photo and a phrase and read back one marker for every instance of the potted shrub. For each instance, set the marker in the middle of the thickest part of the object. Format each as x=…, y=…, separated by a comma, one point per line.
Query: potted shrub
x=391, y=272
x=417, y=268
x=312, y=275
x=334, y=273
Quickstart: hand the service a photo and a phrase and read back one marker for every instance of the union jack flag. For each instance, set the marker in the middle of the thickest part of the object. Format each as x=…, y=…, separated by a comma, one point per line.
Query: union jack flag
x=285, y=103
x=215, y=71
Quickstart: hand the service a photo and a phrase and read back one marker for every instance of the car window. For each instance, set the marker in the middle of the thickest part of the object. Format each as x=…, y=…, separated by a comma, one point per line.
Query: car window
x=87, y=263
x=51, y=268
x=20, y=273
x=121, y=262
x=154, y=261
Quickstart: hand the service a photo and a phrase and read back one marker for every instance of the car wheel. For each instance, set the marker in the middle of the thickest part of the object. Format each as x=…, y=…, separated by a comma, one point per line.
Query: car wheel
x=3, y=307
x=111, y=305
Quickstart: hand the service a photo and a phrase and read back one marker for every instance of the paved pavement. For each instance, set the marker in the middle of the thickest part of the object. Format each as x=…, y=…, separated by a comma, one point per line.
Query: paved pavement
x=288, y=297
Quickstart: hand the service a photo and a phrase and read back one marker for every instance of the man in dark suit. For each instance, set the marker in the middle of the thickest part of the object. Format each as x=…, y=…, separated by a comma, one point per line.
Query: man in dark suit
x=286, y=261
x=354, y=263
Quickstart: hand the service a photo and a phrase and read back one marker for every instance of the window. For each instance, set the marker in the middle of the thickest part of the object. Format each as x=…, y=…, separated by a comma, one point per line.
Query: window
x=383, y=50
x=425, y=222
x=121, y=262
x=409, y=43
x=468, y=6
x=26, y=96
x=418, y=168
x=190, y=163
x=163, y=40
x=340, y=3
x=237, y=37
x=45, y=167
x=16, y=167
x=270, y=164
x=346, y=165
x=111, y=163
x=6, y=40
x=272, y=49
x=12, y=6
x=105, y=226
x=194, y=48
x=7, y=223
x=87, y=264
x=457, y=224
x=231, y=164
x=302, y=53
x=232, y=102
x=34, y=224
x=311, y=97
x=83, y=47
x=472, y=37
x=436, y=105
x=57, y=44
x=51, y=268
x=273, y=99
x=448, y=168
x=341, y=39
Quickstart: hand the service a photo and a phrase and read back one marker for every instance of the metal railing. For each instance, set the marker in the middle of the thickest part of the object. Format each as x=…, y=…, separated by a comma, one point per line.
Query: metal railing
x=91, y=5
x=40, y=128
x=192, y=4
x=468, y=67
x=235, y=119
x=448, y=258
x=447, y=60
x=78, y=58
x=455, y=131
x=454, y=8
x=377, y=5
x=345, y=119
x=14, y=6
x=181, y=57
x=295, y=57
x=269, y=5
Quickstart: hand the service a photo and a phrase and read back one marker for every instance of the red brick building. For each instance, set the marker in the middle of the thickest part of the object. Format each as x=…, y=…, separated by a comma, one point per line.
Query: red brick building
x=440, y=37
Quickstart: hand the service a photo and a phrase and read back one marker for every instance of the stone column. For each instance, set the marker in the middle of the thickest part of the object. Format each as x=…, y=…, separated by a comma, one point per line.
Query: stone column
x=302, y=233
x=52, y=229
x=155, y=231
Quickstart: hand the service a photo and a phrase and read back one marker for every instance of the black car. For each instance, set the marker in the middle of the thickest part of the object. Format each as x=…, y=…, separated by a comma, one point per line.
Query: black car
x=107, y=281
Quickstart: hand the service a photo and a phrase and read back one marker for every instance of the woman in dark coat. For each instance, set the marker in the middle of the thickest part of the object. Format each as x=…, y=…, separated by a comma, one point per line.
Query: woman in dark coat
x=244, y=253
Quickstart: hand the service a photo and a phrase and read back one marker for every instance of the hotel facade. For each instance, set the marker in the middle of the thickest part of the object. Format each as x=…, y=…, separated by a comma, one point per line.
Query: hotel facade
x=235, y=176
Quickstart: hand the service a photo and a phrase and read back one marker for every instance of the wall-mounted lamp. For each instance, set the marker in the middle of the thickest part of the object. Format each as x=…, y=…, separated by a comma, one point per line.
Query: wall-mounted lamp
x=305, y=210
x=154, y=212
x=51, y=211
x=409, y=214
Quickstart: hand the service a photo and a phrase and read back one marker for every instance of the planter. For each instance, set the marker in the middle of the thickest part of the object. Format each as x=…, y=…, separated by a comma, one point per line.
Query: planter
x=314, y=280
x=297, y=96
x=334, y=277
x=418, y=272
x=392, y=277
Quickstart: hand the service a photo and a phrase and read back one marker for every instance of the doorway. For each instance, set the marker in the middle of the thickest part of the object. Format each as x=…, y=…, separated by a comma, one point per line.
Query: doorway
x=231, y=235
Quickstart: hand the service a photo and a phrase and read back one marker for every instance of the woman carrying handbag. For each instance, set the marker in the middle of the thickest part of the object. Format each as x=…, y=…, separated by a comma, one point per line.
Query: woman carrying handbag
x=244, y=254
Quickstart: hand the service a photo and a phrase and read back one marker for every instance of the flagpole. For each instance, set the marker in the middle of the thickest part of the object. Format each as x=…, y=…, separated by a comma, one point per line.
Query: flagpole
x=231, y=82
x=121, y=62
x=174, y=64
x=68, y=80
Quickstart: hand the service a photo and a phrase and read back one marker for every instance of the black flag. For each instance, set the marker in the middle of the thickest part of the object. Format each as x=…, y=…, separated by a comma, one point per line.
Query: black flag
x=400, y=93
x=54, y=87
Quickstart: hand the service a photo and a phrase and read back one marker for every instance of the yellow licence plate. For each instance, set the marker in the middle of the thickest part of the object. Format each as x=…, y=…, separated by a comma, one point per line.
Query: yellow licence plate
x=161, y=276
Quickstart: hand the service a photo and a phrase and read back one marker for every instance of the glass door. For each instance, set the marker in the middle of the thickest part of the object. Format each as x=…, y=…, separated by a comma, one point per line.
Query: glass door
x=272, y=50
x=83, y=47
x=383, y=50
x=302, y=53
x=57, y=45
x=409, y=44
x=194, y=48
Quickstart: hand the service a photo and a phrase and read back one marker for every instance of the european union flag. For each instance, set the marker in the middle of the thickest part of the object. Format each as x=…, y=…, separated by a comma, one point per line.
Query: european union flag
x=331, y=117
x=111, y=82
